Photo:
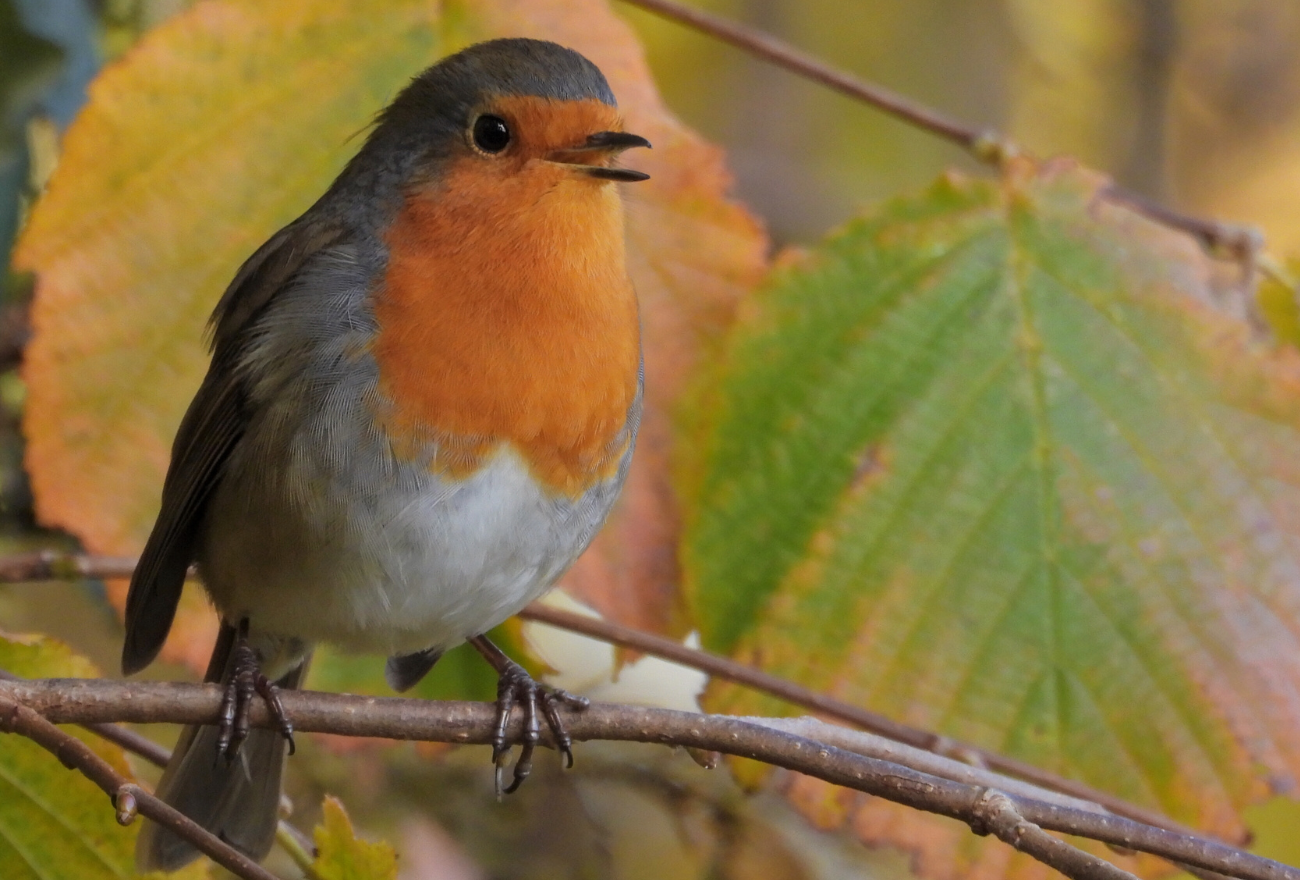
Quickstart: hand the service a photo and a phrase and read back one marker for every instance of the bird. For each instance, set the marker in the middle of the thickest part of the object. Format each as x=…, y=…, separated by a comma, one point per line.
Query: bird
x=422, y=403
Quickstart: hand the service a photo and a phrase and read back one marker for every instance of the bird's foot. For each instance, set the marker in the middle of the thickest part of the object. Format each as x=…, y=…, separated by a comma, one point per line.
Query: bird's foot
x=516, y=687
x=246, y=681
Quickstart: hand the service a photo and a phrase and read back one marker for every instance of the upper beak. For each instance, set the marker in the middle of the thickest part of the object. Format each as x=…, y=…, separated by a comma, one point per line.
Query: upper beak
x=600, y=144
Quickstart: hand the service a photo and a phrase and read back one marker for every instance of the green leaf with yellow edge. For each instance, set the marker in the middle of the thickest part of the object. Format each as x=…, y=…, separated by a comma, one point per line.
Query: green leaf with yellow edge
x=55, y=823
x=344, y=856
x=225, y=123
x=991, y=462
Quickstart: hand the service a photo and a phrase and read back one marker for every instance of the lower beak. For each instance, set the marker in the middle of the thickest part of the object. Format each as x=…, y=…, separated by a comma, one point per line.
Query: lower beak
x=624, y=175
x=599, y=145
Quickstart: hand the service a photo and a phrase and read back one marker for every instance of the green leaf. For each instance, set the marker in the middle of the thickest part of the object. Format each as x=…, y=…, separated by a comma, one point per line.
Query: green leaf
x=461, y=674
x=991, y=462
x=55, y=823
x=343, y=855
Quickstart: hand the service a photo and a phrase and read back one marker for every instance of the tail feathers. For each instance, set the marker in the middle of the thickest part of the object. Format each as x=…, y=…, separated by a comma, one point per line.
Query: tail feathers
x=236, y=800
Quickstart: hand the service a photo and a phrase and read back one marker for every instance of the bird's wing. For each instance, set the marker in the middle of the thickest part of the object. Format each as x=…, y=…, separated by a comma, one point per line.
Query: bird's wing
x=211, y=428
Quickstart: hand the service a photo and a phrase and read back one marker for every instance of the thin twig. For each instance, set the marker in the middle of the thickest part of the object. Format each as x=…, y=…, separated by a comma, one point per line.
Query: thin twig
x=55, y=565
x=861, y=742
x=873, y=746
x=784, y=55
x=1229, y=241
x=128, y=798
x=130, y=741
x=300, y=847
x=998, y=815
x=93, y=700
x=829, y=707
x=294, y=841
x=121, y=737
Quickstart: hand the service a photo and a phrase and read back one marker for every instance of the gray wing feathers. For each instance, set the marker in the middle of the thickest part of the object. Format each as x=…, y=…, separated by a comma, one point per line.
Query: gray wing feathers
x=211, y=428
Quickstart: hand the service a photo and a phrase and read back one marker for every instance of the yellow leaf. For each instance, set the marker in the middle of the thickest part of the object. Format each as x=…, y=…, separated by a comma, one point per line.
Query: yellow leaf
x=344, y=856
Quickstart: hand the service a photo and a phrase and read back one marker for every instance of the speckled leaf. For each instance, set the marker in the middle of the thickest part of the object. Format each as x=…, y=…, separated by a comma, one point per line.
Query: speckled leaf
x=54, y=823
x=344, y=856
x=226, y=122
x=990, y=461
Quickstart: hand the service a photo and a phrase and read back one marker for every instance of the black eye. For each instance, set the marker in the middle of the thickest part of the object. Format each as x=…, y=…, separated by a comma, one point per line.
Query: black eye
x=491, y=134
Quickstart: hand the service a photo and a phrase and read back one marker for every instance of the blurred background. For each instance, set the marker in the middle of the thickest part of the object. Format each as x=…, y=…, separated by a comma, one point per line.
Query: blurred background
x=1195, y=103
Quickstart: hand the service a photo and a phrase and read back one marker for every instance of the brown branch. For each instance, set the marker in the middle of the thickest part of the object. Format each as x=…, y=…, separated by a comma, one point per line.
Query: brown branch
x=94, y=701
x=997, y=814
x=121, y=737
x=130, y=741
x=873, y=746
x=128, y=798
x=56, y=565
x=1229, y=241
x=983, y=143
x=125, y=739
x=829, y=707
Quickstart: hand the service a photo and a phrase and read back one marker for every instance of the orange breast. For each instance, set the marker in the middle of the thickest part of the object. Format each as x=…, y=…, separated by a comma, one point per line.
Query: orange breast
x=506, y=317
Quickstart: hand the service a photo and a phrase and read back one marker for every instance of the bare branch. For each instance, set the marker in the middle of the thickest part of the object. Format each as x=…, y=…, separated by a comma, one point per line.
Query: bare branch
x=127, y=797
x=130, y=741
x=291, y=838
x=1231, y=241
x=1228, y=241
x=873, y=746
x=986, y=145
x=923, y=761
x=95, y=701
x=829, y=707
x=996, y=814
x=121, y=737
x=56, y=565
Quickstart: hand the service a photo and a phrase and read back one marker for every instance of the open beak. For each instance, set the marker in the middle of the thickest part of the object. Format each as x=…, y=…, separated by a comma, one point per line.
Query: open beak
x=598, y=146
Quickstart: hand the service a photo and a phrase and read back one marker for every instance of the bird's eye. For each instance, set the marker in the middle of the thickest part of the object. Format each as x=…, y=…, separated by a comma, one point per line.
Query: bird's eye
x=491, y=134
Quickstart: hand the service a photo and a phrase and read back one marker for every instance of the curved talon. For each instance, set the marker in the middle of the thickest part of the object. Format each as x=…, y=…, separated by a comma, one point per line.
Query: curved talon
x=516, y=686
x=247, y=681
x=269, y=692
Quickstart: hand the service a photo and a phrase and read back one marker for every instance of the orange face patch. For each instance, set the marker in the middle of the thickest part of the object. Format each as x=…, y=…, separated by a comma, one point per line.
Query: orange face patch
x=506, y=315
x=540, y=126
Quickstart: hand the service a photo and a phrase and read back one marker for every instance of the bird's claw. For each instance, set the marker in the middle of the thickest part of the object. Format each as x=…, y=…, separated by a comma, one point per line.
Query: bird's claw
x=247, y=681
x=517, y=687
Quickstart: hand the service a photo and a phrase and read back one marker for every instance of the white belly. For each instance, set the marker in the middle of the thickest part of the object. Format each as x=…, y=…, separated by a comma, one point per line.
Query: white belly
x=416, y=562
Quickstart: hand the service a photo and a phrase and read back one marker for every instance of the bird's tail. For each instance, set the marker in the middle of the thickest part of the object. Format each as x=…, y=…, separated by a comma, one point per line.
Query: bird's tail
x=237, y=800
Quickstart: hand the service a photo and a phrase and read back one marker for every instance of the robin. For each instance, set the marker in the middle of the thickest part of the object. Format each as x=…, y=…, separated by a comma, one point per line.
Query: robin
x=421, y=405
